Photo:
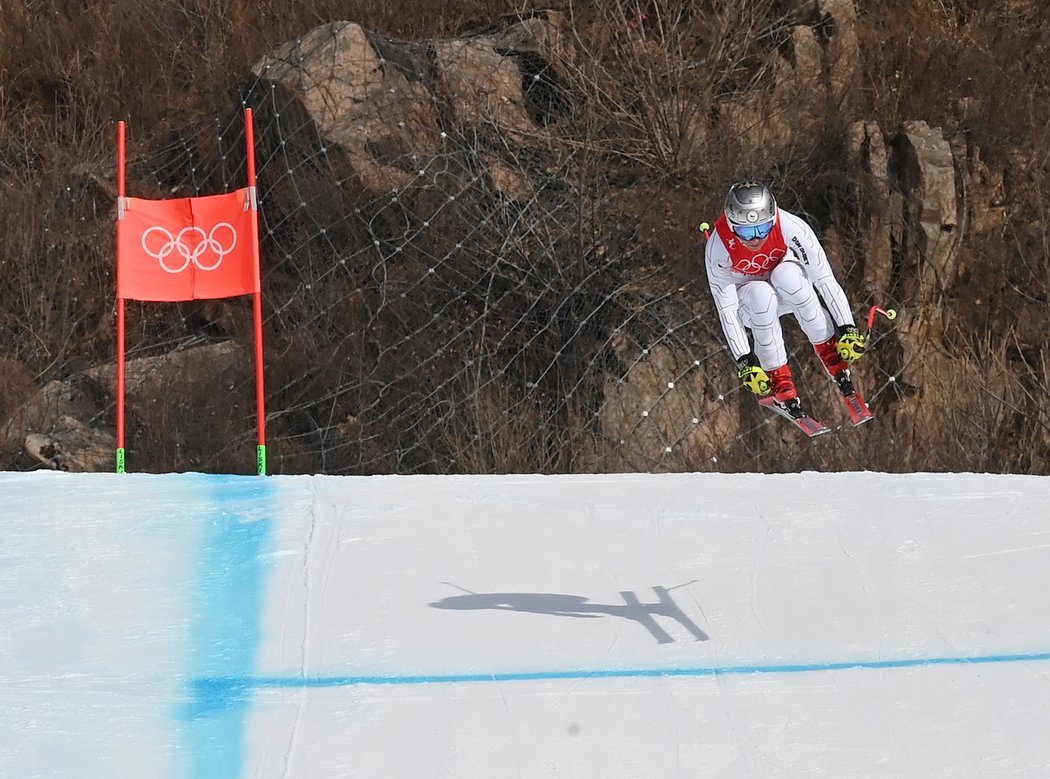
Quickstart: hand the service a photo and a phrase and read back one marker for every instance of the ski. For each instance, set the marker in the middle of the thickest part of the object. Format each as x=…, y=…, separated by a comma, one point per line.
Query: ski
x=803, y=421
x=859, y=413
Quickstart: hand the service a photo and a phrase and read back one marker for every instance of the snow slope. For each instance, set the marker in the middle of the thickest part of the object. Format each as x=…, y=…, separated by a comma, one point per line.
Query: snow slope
x=590, y=627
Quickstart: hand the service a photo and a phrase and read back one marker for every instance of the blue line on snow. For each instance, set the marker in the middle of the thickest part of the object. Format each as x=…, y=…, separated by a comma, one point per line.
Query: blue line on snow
x=226, y=631
x=222, y=686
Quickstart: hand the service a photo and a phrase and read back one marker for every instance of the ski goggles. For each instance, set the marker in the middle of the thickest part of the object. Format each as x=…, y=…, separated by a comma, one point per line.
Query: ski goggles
x=752, y=232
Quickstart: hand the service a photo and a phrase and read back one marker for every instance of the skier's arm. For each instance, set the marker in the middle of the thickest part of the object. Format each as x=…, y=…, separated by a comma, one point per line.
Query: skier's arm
x=806, y=247
x=834, y=298
x=727, y=303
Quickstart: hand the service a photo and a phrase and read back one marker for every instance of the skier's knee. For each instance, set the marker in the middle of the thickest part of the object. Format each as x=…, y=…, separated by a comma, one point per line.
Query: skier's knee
x=760, y=300
x=789, y=280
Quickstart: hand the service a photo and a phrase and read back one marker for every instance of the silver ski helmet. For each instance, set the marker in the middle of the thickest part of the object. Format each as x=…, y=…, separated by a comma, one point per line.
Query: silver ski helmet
x=750, y=209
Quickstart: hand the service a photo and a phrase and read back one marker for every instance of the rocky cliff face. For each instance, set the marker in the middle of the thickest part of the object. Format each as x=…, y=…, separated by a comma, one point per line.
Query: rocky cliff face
x=468, y=202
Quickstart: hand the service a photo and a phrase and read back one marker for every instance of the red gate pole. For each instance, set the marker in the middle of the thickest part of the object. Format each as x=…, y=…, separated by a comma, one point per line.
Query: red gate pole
x=121, y=205
x=253, y=199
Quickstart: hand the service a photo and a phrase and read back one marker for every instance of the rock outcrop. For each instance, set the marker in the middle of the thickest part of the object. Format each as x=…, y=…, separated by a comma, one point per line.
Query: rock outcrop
x=68, y=425
x=390, y=105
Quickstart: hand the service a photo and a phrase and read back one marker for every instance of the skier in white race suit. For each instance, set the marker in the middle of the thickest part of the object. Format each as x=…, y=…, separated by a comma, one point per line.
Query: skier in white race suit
x=764, y=262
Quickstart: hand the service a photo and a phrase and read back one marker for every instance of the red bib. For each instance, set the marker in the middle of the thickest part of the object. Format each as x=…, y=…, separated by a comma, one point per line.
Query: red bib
x=745, y=261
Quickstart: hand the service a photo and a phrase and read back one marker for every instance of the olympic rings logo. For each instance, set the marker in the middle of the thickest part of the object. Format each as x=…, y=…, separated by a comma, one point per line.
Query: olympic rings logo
x=192, y=244
x=758, y=263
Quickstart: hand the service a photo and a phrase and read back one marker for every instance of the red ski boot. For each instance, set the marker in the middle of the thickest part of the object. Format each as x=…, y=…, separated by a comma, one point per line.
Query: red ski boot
x=783, y=384
x=837, y=368
x=784, y=401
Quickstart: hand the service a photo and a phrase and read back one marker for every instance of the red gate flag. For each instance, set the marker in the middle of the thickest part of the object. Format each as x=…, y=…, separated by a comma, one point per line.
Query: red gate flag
x=187, y=249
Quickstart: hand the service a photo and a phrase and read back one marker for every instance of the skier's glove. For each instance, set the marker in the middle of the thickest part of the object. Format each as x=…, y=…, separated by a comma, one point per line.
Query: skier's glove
x=852, y=344
x=752, y=376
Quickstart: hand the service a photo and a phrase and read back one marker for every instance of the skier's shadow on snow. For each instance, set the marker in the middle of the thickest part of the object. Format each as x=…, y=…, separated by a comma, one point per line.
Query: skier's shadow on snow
x=581, y=608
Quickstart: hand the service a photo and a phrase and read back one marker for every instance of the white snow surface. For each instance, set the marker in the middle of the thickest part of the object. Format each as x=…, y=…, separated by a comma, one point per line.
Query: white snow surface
x=589, y=627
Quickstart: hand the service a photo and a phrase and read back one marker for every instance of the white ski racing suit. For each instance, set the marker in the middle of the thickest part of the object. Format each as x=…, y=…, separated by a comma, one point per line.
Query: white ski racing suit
x=786, y=274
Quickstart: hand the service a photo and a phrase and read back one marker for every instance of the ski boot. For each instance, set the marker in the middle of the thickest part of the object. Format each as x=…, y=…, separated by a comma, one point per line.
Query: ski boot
x=837, y=368
x=784, y=392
